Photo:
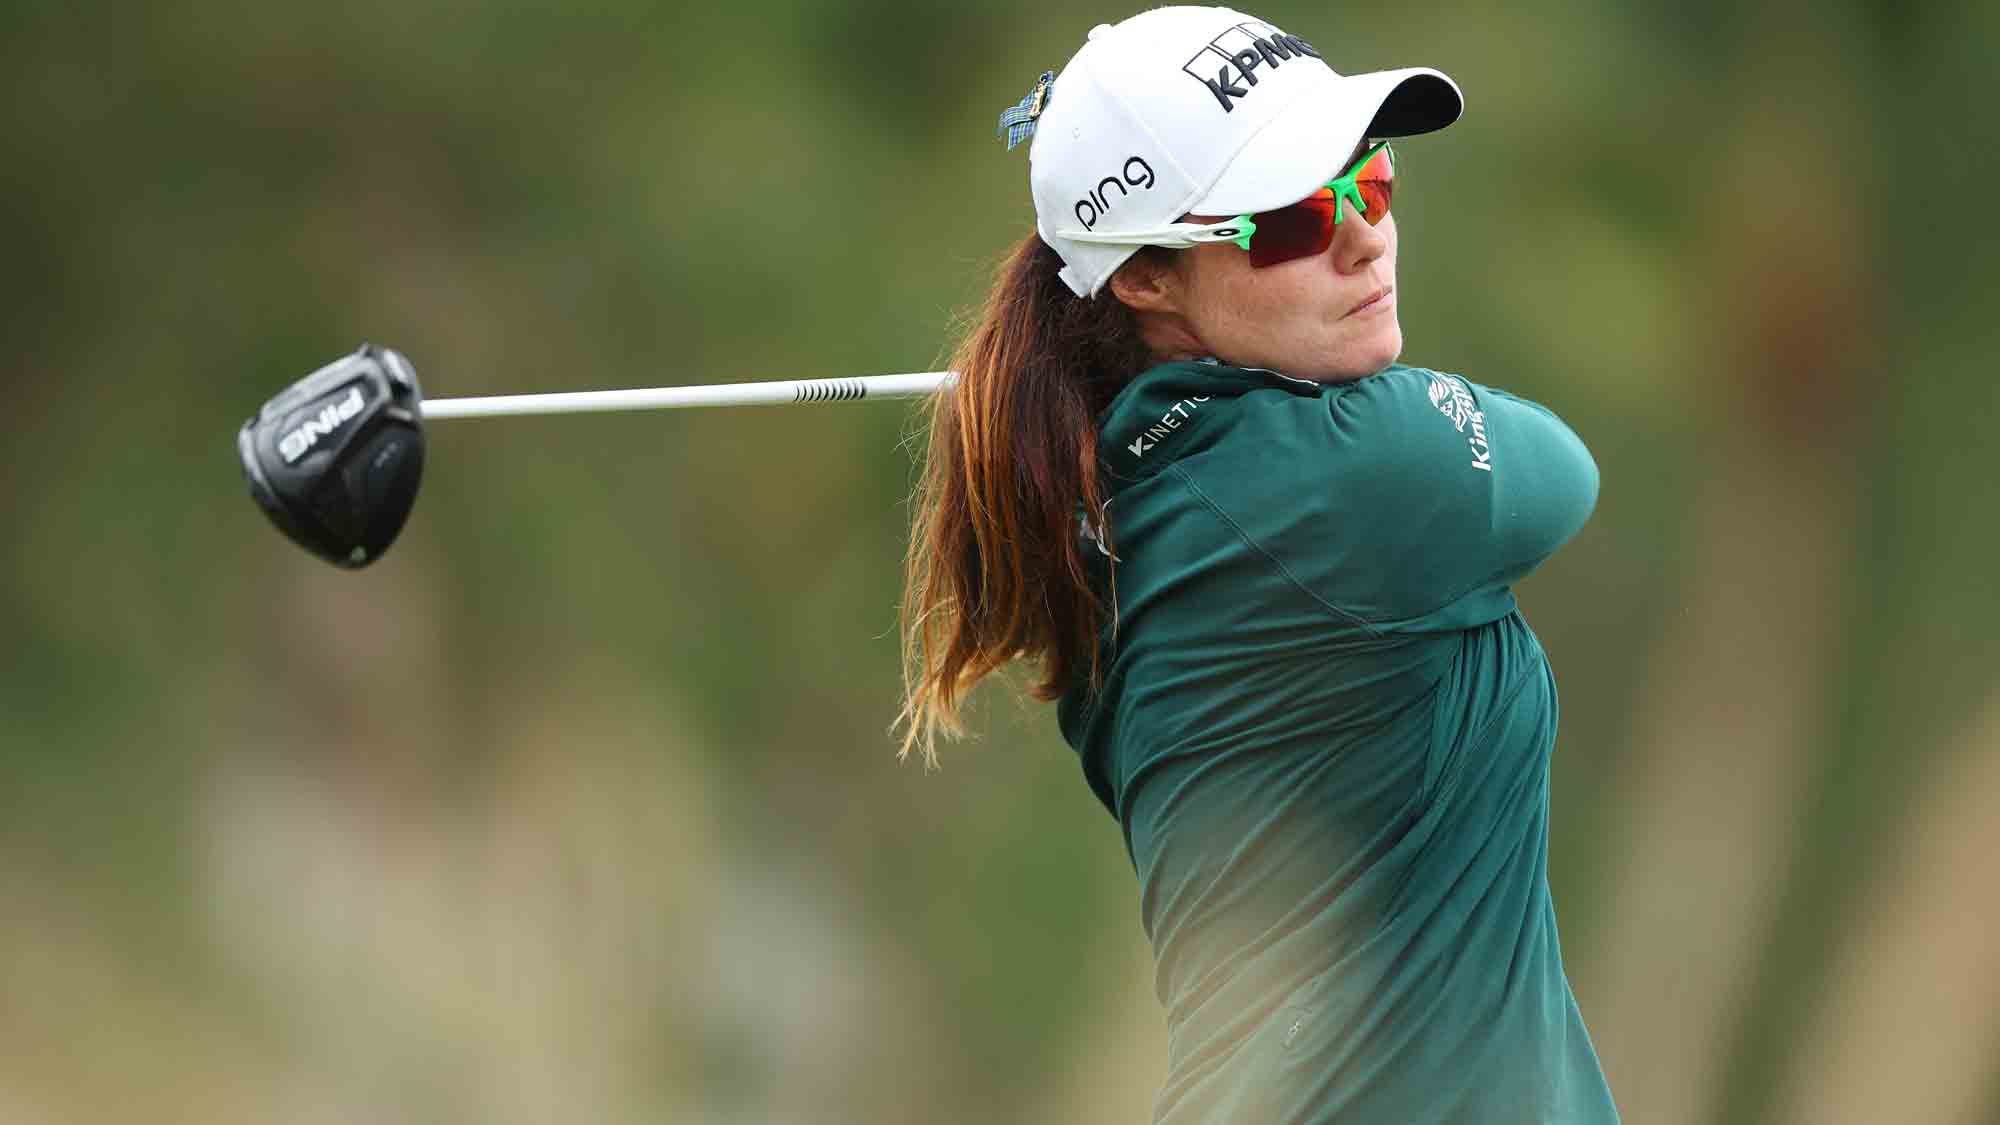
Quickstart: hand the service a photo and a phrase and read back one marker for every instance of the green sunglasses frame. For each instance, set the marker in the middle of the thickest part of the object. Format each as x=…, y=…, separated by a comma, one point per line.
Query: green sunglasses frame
x=1344, y=186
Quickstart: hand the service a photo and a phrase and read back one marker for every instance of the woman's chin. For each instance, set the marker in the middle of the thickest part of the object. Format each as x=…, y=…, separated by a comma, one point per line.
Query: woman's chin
x=1390, y=345
x=1364, y=357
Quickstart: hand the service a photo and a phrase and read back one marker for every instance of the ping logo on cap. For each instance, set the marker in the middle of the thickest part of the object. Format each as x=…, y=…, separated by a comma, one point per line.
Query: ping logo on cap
x=1241, y=51
x=1136, y=173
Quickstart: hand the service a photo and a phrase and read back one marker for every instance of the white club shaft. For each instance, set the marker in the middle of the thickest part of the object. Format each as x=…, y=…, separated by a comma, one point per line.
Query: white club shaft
x=722, y=394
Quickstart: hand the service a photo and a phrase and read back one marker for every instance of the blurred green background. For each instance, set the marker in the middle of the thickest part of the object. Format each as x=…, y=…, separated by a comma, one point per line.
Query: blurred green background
x=581, y=805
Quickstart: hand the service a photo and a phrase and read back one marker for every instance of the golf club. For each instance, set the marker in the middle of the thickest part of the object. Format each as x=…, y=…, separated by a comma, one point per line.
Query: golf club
x=334, y=460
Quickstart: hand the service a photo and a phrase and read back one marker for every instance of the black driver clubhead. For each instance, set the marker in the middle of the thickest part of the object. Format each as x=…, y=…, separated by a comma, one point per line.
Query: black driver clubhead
x=335, y=458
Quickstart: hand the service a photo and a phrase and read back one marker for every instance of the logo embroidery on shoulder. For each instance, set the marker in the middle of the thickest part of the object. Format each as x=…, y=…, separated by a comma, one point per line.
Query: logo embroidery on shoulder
x=1451, y=396
x=1168, y=423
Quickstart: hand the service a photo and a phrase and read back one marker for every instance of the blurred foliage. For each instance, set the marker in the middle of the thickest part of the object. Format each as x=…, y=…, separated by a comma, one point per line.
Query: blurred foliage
x=581, y=804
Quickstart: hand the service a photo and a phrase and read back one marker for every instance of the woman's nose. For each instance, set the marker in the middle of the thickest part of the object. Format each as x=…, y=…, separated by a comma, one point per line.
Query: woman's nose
x=1355, y=242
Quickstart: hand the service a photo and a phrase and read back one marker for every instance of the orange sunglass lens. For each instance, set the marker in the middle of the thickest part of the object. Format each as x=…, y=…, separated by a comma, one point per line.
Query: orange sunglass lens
x=1306, y=227
x=1299, y=231
x=1376, y=181
x=1375, y=194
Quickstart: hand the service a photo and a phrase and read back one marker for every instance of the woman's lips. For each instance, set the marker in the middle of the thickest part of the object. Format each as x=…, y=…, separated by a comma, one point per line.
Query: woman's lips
x=1376, y=302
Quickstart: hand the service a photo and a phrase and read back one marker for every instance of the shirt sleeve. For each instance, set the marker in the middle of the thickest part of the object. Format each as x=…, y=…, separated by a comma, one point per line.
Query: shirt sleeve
x=1412, y=500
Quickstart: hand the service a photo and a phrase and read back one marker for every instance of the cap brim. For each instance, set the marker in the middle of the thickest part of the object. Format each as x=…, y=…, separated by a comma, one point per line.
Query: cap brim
x=1308, y=142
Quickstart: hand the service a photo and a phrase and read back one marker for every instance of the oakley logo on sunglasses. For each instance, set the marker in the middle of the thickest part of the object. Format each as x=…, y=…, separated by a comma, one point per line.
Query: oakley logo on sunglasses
x=1136, y=173
x=1241, y=50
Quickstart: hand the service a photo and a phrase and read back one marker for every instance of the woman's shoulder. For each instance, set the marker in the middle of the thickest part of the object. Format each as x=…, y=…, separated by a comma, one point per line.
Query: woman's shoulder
x=1361, y=414
x=1406, y=382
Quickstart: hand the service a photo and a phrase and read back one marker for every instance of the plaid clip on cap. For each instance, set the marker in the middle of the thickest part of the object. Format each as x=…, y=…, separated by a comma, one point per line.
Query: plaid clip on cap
x=1017, y=121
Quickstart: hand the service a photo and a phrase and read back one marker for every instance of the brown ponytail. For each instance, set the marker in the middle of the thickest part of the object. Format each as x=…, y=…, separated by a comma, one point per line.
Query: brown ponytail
x=995, y=570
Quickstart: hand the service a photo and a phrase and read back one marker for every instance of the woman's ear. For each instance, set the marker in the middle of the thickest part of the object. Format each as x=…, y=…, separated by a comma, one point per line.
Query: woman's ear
x=1147, y=282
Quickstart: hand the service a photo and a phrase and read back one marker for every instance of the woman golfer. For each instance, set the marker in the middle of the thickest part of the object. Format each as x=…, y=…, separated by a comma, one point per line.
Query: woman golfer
x=1266, y=569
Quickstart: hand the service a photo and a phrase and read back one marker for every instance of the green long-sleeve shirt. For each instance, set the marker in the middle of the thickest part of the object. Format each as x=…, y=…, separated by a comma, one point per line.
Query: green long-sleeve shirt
x=1325, y=730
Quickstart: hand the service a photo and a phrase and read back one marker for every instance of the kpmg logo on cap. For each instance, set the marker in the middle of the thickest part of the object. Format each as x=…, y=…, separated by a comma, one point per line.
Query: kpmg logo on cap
x=1241, y=52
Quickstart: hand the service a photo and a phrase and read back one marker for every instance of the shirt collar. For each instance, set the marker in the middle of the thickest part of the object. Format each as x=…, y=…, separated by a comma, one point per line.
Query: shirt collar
x=1169, y=411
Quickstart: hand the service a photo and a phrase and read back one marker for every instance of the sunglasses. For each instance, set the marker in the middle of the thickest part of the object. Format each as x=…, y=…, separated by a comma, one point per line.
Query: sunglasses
x=1303, y=230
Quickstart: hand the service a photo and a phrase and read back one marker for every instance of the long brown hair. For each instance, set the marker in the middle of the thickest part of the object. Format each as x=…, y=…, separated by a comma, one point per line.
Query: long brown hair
x=995, y=570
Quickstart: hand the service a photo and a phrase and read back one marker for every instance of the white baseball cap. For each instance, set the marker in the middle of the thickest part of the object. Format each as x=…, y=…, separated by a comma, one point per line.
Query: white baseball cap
x=1204, y=111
